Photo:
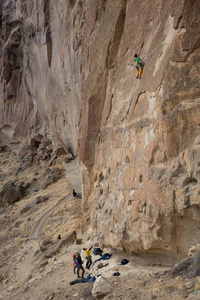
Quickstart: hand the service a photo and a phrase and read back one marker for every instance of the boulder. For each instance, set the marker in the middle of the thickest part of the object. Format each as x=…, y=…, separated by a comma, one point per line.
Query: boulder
x=45, y=142
x=52, y=176
x=51, y=179
x=41, y=199
x=38, y=137
x=59, y=244
x=7, y=186
x=12, y=195
x=101, y=288
x=28, y=150
x=78, y=241
x=23, y=187
x=33, y=143
x=59, y=151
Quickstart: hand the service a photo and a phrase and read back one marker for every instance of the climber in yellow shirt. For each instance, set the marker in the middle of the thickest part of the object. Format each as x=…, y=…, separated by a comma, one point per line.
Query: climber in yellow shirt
x=88, y=257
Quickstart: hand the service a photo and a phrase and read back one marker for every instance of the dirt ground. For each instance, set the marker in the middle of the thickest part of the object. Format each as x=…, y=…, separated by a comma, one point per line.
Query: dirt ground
x=26, y=274
x=30, y=280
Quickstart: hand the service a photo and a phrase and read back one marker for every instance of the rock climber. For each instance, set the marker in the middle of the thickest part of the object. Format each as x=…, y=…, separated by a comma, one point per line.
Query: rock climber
x=59, y=237
x=88, y=257
x=138, y=66
x=79, y=265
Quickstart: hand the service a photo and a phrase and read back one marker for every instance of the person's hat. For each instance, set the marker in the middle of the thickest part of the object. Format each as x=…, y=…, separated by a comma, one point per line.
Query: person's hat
x=74, y=255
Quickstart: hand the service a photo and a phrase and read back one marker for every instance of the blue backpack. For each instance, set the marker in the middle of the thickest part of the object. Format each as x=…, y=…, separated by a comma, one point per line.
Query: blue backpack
x=90, y=278
x=124, y=261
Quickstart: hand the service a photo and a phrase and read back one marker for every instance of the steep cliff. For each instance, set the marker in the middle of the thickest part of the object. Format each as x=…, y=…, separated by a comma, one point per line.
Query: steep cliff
x=41, y=70
x=68, y=73
x=139, y=139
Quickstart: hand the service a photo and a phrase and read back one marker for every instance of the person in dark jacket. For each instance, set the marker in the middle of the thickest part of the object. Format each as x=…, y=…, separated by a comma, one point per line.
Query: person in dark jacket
x=75, y=264
x=74, y=193
x=79, y=265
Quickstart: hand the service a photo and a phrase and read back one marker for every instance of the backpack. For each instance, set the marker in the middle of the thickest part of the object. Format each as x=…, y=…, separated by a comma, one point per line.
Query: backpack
x=90, y=278
x=75, y=264
x=124, y=261
x=99, y=266
x=106, y=256
x=97, y=251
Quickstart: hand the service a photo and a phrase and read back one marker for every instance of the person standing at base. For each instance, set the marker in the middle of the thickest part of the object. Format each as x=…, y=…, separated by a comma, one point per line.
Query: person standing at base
x=79, y=265
x=88, y=257
x=138, y=66
x=75, y=264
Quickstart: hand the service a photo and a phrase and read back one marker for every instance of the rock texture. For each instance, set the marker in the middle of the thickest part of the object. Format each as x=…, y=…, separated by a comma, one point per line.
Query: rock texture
x=139, y=139
x=101, y=288
x=40, y=59
x=68, y=74
x=56, y=248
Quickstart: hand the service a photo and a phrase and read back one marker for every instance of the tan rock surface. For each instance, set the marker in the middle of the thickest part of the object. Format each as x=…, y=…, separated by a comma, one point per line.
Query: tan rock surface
x=41, y=73
x=25, y=274
x=139, y=138
x=68, y=73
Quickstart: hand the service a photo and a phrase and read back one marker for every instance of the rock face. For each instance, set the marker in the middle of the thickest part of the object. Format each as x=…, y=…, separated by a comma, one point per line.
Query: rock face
x=40, y=60
x=68, y=73
x=140, y=139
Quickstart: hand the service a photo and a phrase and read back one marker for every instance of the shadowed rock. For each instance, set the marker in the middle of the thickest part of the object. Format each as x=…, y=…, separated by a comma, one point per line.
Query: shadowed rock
x=12, y=195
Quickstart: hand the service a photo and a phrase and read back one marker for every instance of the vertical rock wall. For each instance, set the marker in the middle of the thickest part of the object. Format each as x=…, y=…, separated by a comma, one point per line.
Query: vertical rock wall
x=140, y=139
x=68, y=73
x=40, y=57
